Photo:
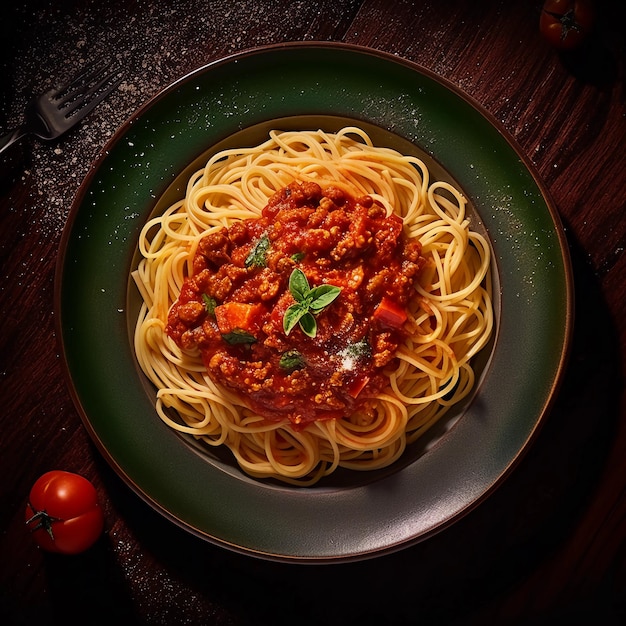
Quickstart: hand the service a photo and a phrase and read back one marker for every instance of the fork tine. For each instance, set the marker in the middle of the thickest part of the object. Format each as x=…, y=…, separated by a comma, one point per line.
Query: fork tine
x=81, y=102
x=64, y=93
x=81, y=109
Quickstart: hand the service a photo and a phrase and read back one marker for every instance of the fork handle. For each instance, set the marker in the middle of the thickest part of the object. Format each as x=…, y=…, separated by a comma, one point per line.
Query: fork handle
x=10, y=138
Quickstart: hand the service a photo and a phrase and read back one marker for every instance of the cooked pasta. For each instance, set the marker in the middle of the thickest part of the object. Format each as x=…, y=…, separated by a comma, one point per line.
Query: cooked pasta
x=417, y=355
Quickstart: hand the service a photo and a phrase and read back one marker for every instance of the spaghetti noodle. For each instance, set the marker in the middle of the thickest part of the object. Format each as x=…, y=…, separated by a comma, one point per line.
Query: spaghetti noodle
x=402, y=359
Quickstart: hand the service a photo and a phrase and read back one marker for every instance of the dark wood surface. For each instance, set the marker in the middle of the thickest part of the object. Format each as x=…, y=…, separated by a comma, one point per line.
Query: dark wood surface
x=548, y=546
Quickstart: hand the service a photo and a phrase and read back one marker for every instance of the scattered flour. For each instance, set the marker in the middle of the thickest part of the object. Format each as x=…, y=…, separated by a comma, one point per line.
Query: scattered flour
x=176, y=38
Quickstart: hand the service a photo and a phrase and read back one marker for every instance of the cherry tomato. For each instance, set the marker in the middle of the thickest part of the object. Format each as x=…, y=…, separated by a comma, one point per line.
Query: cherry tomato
x=566, y=23
x=63, y=514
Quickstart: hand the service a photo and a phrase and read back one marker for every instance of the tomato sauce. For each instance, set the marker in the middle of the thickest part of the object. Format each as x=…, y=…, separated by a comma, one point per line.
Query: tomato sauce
x=233, y=306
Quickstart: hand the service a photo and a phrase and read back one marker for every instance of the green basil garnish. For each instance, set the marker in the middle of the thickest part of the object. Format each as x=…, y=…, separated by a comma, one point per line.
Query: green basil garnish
x=291, y=360
x=238, y=337
x=209, y=304
x=308, y=302
x=360, y=349
x=258, y=254
x=299, y=285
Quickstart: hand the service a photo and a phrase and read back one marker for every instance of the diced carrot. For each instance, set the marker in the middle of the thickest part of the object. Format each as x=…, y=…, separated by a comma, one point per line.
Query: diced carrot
x=390, y=314
x=237, y=315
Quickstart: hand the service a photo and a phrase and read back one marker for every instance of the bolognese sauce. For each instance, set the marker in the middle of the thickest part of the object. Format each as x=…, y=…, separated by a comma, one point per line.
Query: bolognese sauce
x=233, y=306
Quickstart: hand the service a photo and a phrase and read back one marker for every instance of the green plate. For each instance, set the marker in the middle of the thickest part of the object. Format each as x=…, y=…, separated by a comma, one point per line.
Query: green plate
x=354, y=515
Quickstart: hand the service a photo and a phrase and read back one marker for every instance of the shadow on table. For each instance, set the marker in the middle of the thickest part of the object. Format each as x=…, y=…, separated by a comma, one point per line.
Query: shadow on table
x=454, y=577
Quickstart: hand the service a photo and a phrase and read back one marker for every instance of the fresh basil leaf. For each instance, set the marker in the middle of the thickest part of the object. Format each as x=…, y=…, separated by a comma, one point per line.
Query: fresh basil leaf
x=322, y=296
x=238, y=336
x=307, y=300
x=292, y=317
x=308, y=325
x=298, y=285
x=209, y=304
x=291, y=360
x=258, y=254
x=298, y=256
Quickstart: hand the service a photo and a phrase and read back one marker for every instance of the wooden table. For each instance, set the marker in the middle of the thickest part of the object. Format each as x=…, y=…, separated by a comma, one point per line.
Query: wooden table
x=548, y=545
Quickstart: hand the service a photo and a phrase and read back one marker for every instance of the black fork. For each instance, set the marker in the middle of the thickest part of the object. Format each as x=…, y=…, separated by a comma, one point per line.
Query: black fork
x=57, y=110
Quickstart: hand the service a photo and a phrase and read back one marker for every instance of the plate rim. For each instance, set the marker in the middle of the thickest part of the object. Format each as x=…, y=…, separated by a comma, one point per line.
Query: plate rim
x=122, y=131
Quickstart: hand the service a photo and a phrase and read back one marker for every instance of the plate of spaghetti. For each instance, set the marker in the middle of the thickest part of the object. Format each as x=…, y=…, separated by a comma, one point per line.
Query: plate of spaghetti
x=313, y=303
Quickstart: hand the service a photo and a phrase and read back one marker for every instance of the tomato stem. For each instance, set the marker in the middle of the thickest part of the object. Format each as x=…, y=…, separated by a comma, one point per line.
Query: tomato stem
x=568, y=22
x=45, y=521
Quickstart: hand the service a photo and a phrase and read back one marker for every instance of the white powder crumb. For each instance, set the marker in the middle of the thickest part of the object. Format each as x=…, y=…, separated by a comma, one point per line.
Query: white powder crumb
x=173, y=42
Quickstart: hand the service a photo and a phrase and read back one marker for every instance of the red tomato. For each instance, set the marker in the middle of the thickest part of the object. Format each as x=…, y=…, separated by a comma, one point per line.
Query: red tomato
x=390, y=314
x=63, y=514
x=566, y=23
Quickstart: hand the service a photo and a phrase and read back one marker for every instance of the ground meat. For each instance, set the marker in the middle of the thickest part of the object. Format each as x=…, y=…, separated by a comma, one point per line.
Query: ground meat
x=233, y=306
